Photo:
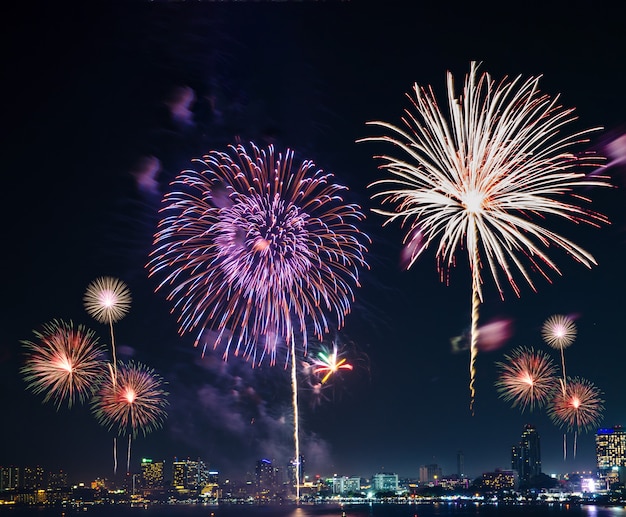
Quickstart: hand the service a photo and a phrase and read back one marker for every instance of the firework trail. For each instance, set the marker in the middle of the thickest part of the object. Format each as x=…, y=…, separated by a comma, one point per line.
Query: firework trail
x=474, y=179
x=65, y=362
x=257, y=250
x=131, y=402
x=107, y=300
x=527, y=378
x=559, y=332
x=578, y=407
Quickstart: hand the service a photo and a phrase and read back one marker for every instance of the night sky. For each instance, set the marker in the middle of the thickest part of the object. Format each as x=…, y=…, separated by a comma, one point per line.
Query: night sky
x=87, y=91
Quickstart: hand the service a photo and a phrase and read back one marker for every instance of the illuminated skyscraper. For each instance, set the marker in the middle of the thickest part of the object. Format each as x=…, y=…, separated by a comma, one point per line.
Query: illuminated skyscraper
x=265, y=476
x=526, y=457
x=152, y=473
x=611, y=453
x=189, y=474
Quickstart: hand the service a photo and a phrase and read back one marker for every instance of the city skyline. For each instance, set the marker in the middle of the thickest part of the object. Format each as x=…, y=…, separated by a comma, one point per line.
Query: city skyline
x=525, y=459
x=97, y=130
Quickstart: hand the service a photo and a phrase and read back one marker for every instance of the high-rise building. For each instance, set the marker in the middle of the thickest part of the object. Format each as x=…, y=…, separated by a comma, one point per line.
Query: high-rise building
x=611, y=453
x=203, y=476
x=57, y=479
x=211, y=489
x=265, y=478
x=430, y=473
x=189, y=474
x=152, y=473
x=9, y=478
x=32, y=478
x=291, y=469
x=526, y=456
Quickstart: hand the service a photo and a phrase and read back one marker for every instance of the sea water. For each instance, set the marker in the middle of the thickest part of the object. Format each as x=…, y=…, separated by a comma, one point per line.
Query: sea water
x=325, y=510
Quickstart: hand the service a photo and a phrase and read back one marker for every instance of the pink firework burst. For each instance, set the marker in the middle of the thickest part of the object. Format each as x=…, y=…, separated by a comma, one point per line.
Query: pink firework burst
x=66, y=363
x=258, y=250
x=132, y=401
x=527, y=378
x=107, y=299
x=578, y=406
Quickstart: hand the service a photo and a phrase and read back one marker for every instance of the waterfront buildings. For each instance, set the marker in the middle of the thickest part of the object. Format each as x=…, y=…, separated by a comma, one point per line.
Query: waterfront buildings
x=30, y=478
x=611, y=454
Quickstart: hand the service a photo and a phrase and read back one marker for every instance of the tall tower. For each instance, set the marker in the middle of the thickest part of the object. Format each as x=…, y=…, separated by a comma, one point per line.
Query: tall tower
x=611, y=453
x=526, y=457
x=460, y=464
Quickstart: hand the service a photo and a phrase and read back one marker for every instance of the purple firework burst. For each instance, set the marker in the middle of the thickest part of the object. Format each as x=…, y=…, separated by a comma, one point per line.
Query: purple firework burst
x=255, y=250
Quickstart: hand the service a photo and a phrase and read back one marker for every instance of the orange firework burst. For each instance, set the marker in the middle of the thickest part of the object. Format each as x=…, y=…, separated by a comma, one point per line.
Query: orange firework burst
x=578, y=407
x=527, y=378
x=66, y=363
x=133, y=401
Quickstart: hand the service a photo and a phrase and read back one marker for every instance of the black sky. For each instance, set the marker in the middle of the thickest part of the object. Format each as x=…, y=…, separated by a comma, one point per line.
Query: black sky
x=85, y=89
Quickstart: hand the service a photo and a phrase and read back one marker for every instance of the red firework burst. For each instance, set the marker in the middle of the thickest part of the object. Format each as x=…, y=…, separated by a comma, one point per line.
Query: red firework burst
x=527, y=378
x=132, y=401
x=578, y=406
